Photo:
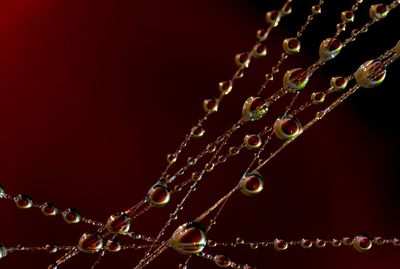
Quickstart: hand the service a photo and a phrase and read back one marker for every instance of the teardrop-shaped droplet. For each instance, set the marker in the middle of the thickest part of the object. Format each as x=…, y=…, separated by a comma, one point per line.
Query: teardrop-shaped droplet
x=90, y=242
x=329, y=48
x=370, y=74
x=222, y=261
x=49, y=209
x=295, y=80
x=251, y=184
x=189, y=239
x=254, y=108
x=287, y=127
x=113, y=245
x=71, y=216
x=118, y=223
x=23, y=201
x=159, y=195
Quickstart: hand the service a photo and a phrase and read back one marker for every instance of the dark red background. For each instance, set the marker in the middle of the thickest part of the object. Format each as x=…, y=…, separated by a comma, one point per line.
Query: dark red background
x=94, y=94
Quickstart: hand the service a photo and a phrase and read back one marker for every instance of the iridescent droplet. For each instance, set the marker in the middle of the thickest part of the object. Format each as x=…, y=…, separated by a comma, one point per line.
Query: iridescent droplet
x=113, y=245
x=118, y=223
x=329, y=48
x=189, y=239
x=280, y=244
x=362, y=243
x=287, y=127
x=222, y=261
x=251, y=184
x=295, y=80
x=71, y=216
x=159, y=195
x=90, y=242
x=291, y=46
x=254, y=108
x=23, y=201
x=378, y=11
x=49, y=209
x=370, y=74
x=253, y=141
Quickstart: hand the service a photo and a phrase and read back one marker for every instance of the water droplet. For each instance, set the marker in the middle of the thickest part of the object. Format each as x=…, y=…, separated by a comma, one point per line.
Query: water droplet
x=317, y=98
x=159, y=195
x=253, y=141
x=259, y=50
x=23, y=201
x=280, y=244
x=291, y=46
x=3, y=251
x=113, y=245
x=118, y=223
x=316, y=9
x=71, y=216
x=49, y=209
x=189, y=239
x=171, y=158
x=362, y=243
x=234, y=151
x=251, y=184
x=370, y=74
x=306, y=243
x=222, y=261
x=378, y=11
x=295, y=80
x=336, y=243
x=210, y=105
x=51, y=248
x=197, y=131
x=338, y=83
x=90, y=242
x=320, y=243
x=243, y=59
x=286, y=9
x=287, y=127
x=253, y=245
x=329, y=48
x=225, y=87
x=348, y=16
x=273, y=17
x=2, y=192
x=254, y=108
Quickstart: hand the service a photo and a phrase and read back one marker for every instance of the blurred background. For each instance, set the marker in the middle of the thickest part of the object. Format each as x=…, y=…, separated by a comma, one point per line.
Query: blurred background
x=95, y=94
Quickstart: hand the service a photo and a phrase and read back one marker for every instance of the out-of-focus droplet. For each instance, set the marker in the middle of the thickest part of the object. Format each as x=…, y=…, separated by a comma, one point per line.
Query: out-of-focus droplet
x=23, y=201
x=71, y=216
x=49, y=209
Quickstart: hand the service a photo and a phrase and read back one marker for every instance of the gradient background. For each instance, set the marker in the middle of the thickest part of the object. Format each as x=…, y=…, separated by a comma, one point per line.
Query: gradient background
x=94, y=94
